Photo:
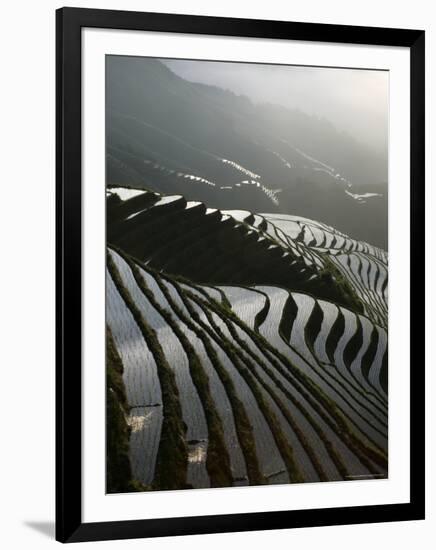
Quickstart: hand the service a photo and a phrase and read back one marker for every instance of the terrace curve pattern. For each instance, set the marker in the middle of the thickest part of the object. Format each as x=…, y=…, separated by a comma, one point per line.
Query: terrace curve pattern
x=253, y=346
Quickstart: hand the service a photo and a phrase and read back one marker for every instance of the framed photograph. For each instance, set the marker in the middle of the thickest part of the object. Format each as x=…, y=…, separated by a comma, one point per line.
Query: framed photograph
x=240, y=274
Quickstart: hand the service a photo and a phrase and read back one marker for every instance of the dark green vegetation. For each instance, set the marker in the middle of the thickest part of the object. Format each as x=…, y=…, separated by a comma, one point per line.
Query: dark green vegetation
x=295, y=346
x=119, y=473
x=161, y=130
x=242, y=421
x=172, y=454
x=217, y=462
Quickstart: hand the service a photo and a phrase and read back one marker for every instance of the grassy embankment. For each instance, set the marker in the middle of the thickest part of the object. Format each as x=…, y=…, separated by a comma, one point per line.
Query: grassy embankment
x=118, y=469
x=171, y=467
x=243, y=426
x=246, y=370
x=329, y=377
x=322, y=404
x=218, y=461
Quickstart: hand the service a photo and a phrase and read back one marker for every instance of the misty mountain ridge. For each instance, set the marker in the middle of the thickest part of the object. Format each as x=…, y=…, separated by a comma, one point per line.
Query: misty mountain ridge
x=170, y=135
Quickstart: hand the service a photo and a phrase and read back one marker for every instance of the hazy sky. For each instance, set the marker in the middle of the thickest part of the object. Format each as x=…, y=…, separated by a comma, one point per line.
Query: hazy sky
x=353, y=100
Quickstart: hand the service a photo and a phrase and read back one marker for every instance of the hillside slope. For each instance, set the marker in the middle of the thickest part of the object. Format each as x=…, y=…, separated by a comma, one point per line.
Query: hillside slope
x=272, y=369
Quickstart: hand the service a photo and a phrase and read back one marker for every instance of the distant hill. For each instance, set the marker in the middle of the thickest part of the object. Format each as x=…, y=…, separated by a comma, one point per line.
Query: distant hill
x=173, y=136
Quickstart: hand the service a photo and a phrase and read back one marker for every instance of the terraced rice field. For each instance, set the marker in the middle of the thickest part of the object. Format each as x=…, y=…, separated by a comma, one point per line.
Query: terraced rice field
x=277, y=377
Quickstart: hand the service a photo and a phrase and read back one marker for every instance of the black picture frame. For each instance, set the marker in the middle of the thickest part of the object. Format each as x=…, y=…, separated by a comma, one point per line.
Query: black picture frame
x=69, y=525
